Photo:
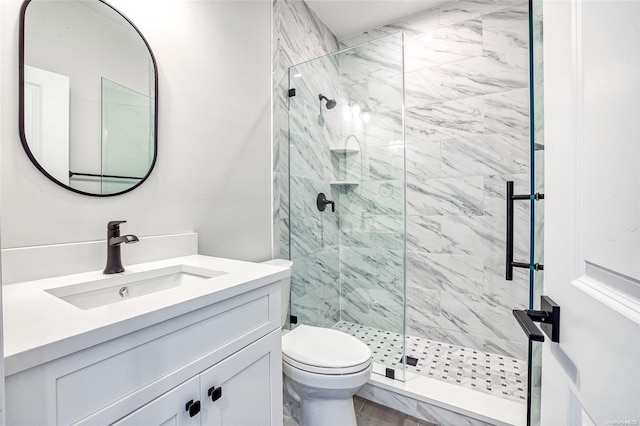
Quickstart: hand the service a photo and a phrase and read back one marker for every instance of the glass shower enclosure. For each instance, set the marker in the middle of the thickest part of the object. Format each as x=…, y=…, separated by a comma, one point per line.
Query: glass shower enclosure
x=347, y=196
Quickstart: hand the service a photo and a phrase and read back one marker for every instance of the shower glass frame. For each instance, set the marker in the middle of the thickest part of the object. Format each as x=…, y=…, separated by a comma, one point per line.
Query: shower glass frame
x=339, y=156
x=536, y=277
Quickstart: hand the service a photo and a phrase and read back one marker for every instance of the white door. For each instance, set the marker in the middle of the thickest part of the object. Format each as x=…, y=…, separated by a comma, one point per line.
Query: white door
x=46, y=120
x=592, y=211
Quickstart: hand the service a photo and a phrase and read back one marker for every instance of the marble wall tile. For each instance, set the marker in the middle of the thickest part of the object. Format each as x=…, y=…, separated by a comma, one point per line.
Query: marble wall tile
x=459, y=11
x=508, y=112
x=424, y=234
x=478, y=315
x=423, y=309
x=378, y=59
x=372, y=287
x=446, y=120
x=303, y=196
x=314, y=77
x=506, y=28
x=445, y=272
x=305, y=237
x=383, y=129
x=371, y=239
x=281, y=127
x=418, y=23
x=314, y=309
x=539, y=115
x=444, y=45
x=490, y=73
x=317, y=278
x=354, y=40
x=461, y=196
x=309, y=160
x=485, y=155
x=315, y=271
x=298, y=36
x=423, y=160
x=464, y=235
x=422, y=87
x=281, y=215
x=374, y=198
x=374, y=308
x=367, y=222
x=349, y=167
x=386, y=95
x=359, y=270
x=513, y=293
x=385, y=163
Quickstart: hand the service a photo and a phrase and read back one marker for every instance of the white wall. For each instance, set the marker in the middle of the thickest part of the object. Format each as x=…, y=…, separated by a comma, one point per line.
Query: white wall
x=1, y=328
x=213, y=169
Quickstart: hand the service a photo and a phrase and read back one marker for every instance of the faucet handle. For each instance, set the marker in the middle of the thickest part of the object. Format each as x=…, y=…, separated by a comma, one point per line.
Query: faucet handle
x=115, y=224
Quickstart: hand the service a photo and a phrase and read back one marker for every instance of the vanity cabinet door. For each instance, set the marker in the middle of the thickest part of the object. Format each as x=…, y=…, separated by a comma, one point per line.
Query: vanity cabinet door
x=245, y=389
x=169, y=408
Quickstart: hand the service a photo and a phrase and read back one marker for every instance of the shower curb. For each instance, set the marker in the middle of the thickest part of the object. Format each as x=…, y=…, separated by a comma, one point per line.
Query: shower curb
x=442, y=403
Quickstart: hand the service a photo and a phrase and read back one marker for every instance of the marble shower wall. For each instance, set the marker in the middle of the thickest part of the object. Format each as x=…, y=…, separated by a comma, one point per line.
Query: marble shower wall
x=299, y=36
x=314, y=238
x=467, y=133
x=372, y=209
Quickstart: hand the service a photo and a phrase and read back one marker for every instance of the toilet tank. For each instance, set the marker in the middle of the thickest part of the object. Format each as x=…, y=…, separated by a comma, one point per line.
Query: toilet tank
x=286, y=288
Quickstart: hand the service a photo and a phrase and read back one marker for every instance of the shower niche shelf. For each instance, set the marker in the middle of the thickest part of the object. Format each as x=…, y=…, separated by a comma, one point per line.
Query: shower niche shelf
x=343, y=150
x=344, y=182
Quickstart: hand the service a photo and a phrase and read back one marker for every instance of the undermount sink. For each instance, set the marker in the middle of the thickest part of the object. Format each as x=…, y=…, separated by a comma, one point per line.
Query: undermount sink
x=118, y=288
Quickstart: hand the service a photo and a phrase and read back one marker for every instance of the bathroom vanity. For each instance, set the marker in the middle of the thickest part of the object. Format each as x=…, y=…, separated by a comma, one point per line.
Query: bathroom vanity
x=204, y=351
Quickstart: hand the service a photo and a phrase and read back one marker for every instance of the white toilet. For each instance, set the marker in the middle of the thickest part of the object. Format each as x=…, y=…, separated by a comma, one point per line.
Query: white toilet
x=323, y=368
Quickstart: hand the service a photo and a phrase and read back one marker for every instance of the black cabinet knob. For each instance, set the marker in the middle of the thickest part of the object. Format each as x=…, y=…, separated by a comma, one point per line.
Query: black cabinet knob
x=215, y=393
x=193, y=407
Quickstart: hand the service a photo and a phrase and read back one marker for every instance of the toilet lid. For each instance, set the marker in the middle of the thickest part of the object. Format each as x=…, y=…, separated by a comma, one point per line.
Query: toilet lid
x=324, y=350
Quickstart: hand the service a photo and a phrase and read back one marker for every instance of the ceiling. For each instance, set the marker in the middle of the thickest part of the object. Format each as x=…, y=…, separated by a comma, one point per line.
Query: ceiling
x=349, y=17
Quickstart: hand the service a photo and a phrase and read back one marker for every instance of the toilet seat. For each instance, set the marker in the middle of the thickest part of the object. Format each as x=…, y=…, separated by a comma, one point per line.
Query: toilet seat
x=324, y=351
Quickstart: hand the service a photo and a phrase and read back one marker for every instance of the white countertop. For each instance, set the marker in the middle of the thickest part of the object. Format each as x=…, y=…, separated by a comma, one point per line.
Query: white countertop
x=39, y=327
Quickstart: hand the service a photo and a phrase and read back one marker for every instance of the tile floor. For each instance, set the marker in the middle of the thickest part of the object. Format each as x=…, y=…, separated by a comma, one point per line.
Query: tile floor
x=371, y=414
x=485, y=372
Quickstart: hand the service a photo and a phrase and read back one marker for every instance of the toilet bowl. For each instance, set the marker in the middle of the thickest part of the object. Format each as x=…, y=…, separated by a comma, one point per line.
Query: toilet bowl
x=323, y=368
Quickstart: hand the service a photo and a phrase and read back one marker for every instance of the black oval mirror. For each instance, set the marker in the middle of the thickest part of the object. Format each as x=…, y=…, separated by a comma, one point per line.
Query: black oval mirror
x=88, y=96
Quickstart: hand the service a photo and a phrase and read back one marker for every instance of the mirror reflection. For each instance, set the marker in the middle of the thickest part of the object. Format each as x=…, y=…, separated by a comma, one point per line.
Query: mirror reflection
x=88, y=96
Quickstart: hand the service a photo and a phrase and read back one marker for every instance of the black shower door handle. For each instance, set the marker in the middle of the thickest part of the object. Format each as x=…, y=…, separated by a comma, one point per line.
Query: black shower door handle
x=510, y=264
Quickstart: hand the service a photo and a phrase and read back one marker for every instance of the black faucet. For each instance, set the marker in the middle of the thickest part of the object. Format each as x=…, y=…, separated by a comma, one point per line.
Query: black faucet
x=114, y=262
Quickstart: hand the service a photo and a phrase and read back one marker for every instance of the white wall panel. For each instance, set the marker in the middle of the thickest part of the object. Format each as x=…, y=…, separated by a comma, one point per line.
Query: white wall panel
x=213, y=169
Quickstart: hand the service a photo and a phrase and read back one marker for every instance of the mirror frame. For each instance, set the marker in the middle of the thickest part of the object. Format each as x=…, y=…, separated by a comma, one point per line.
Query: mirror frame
x=25, y=145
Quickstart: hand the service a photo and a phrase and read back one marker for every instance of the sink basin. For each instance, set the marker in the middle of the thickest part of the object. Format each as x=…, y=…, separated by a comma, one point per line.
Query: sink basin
x=118, y=288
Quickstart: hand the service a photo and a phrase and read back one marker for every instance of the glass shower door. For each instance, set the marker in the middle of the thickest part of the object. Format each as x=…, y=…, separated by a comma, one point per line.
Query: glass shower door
x=537, y=186
x=346, y=140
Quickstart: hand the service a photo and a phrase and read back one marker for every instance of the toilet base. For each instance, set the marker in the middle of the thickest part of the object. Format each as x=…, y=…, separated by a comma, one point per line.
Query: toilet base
x=323, y=412
x=325, y=400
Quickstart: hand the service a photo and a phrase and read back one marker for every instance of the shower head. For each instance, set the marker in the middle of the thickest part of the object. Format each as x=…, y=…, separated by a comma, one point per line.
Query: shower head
x=331, y=103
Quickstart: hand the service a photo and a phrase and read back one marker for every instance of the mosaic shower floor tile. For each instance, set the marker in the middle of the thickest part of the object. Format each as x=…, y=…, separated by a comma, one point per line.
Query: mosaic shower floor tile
x=493, y=374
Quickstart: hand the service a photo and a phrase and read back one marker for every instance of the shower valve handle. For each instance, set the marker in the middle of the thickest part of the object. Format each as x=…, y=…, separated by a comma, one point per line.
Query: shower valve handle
x=321, y=202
